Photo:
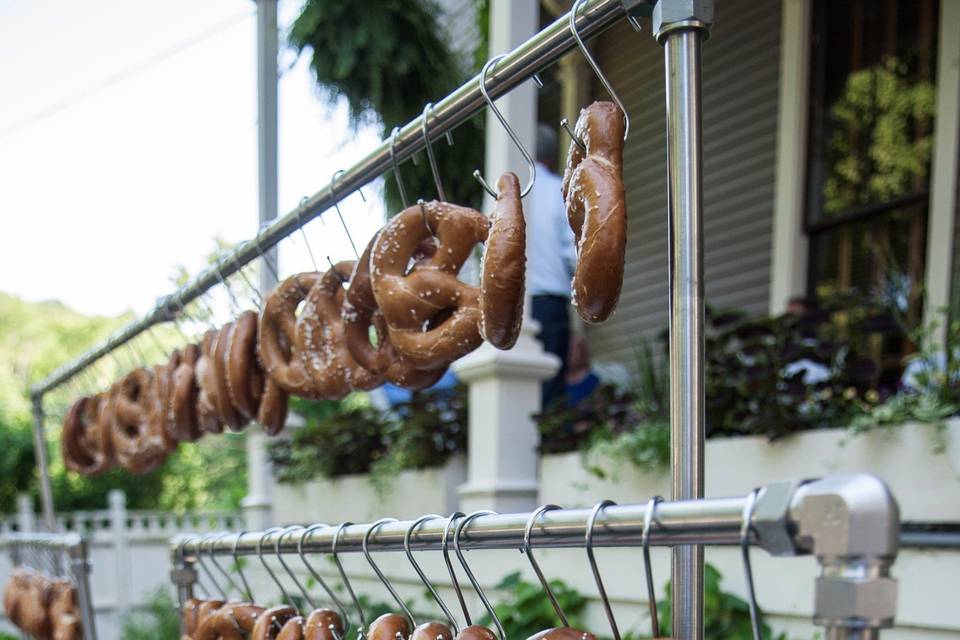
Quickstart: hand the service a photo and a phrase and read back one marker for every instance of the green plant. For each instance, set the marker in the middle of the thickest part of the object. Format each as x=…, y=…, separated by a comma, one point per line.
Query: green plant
x=646, y=446
x=158, y=620
x=524, y=609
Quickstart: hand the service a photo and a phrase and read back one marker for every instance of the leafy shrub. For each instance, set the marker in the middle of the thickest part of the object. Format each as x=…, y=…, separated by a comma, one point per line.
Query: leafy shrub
x=524, y=609
x=158, y=620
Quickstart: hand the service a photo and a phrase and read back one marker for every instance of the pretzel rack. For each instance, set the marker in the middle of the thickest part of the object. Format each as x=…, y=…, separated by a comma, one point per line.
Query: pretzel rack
x=680, y=26
x=64, y=555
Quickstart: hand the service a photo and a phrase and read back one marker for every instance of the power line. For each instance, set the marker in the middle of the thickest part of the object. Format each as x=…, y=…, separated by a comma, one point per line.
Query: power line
x=122, y=75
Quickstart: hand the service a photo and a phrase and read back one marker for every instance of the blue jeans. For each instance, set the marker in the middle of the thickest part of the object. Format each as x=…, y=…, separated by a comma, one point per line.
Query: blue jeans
x=551, y=312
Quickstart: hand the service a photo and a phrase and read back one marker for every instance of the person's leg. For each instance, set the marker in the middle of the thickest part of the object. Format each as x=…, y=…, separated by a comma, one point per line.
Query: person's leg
x=551, y=313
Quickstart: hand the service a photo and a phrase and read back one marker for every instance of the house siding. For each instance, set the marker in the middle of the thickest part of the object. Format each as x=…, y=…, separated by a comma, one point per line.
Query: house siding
x=740, y=91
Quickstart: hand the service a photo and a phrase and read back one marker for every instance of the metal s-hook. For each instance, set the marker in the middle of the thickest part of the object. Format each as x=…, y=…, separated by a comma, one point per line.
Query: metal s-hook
x=396, y=167
x=276, y=549
x=383, y=579
x=343, y=576
x=596, y=69
x=528, y=549
x=427, y=110
x=647, y=570
x=588, y=543
x=446, y=559
x=234, y=303
x=531, y=166
x=286, y=596
x=336, y=205
x=237, y=564
x=260, y=252
x=205, y=568
x=181, y=553
x=423, y=576
x=747, y=569
x=473, y=579
x=258, y=299
x=213, y=558
x=316, y=576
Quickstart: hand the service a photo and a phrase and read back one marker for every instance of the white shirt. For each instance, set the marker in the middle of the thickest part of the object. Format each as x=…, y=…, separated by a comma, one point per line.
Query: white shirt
x=552, y=253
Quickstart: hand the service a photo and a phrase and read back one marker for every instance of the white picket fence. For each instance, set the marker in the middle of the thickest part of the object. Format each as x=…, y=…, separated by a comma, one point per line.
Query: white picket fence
x=129, y=552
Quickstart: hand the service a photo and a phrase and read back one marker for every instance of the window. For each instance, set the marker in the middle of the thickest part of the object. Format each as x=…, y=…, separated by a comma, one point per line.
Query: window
x=871, y=115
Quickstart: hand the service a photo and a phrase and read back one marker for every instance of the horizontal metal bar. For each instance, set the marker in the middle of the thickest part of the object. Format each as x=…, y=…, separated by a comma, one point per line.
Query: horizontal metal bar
x=930, y=535
x=713, y=521
x=69, y=542
x=535, y=54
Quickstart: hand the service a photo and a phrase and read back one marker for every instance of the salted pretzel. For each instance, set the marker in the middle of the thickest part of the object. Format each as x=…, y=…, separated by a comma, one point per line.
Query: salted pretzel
x=271, y=622
x=256, y=395
x=504, y=267
x=160, y=395
x=137, y=446
x=36, y=594
x=207, y=418
x=64, y=613
x=563, y=633
x=388, y=627
x=596, y=209
x=228, y=413
x=360, y=312
x=323, y=624
x=86, y=445
x=14, y=595
x=232, y=621
x=431, y=631
x=182, y=422
x=320, y=339
x=431, y=316
x=277, y=335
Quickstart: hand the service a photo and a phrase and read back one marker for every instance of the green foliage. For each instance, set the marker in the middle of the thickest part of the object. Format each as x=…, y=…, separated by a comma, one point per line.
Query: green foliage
x=387, y=64
x=524, y=609
x=7, y=636
x=158, y=620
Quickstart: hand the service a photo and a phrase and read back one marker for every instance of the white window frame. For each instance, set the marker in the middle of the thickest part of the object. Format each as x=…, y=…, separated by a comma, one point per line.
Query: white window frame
x=790, y=247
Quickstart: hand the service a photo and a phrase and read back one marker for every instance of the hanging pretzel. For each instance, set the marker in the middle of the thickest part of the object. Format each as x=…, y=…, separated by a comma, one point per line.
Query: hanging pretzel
x=64, y=613
x=431, y=316
x=182, y=420
x=323, y=624
x=271, y=621
x=207, y=418
x=504, y=267
x=138, y=447
x=277, y=335
x=85, y=443
x=360, y=312
x=228, y=622
x=161, y=390
x=596, y=209
x=320, y=339
x=228, y=413
x=389, y=626
x=256, y=395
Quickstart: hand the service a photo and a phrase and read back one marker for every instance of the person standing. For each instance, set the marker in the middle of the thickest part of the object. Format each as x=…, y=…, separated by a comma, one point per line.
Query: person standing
x=553, y=258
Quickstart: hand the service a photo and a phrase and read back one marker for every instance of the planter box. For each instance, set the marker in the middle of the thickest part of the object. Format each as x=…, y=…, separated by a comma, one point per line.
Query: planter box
x=410, y=495
x=925, y=482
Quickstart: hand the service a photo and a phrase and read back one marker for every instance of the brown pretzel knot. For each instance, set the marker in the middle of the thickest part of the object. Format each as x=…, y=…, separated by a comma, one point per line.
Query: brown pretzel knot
x=137, y=446
x=233, y=621
x=36, y=593
x=431, y=316
x=388, y=626
x=320, y=339
x=14, y=596
x=64, y=613
x=207, y=418
x=160, y=395
x=563, y=633
x=182, y=422
x=431, y=631
x=597, y=210
x=278, y=333
x=360, y=312
x=86, y=445
x=256, y=395
x=229, y=414
x=323, y=624
x=504, y=267
x=271, y=622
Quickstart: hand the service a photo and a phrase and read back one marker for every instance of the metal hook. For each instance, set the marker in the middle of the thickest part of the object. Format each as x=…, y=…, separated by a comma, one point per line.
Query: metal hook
x=336, y=205
x=283, y=563
x=183, y=561
x=216, y=563
x=432, y=160
x=453, y=574
x=234, y=303
x=647, y=569
x=528, y=549
x=747, y=570
x=260, y=252
x=373, y=565
x=423, y=215
x=316, y=576
x=343, y=575
x=396, y=167
x=286, y=596
x=596, y=68
x=206, y=569
x=588, y=543
x=258, y=299
x=423, y=576
x=531, y=166
x=237, y=564
x=473, y=579
x=301, y=224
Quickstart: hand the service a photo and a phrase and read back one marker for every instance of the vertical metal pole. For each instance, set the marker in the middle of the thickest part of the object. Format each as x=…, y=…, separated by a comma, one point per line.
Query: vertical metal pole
x=680, y=27
x=43, y=467
x=80, y=565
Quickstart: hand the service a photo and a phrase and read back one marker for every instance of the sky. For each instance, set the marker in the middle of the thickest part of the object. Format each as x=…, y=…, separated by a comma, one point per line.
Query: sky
x=128, y=135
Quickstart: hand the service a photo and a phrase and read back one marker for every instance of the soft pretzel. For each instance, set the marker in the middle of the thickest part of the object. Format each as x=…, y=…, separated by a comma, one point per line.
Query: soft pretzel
x=360, y=312
x=277, y=335
x=34, y=602
x=161, y=388
x=292, y=629
x=476, y=632
x=597, y=210
x=85, y=443
x=562, y=633
x=234, y=621
x=271, y=621
x=256, y=395
x=182, y=420
x=504, y=268
x=320, y=340
x=229, y=414
x=431, y=316
x=138, y=448
x=207, y=418
x=64, y=613
x=431, y=631
x=323, y=624
x=388, y=626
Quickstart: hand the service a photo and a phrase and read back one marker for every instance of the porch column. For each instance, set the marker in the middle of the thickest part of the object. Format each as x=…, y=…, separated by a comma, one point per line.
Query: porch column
x=504, y=386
